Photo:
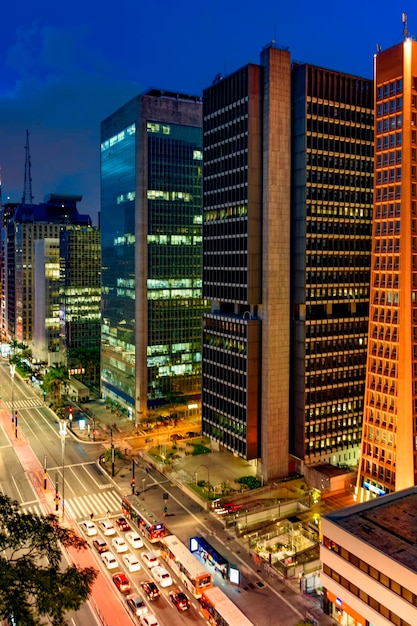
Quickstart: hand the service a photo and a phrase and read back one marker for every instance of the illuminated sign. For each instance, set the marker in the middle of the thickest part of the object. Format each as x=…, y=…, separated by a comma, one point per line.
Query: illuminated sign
x=379, y=492
x=234, y=574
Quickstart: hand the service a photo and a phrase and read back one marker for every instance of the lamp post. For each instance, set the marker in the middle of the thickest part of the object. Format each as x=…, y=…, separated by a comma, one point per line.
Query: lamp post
x=63, y=432
x=14, y=416
x=208, y=477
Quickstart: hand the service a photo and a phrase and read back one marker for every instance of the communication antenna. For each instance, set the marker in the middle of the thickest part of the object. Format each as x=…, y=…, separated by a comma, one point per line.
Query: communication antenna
x=378, y=47
x=27, y=187
x=404, y=21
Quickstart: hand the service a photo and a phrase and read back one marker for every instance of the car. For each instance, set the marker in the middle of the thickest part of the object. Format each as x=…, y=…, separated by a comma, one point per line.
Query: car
x=191, y=434
x=131, y=562
x=88, y=528
x=109, y=560
x=122, y=524
x=134, y=539
x=150, y=559
x=149, y=619
x=179, y=600
x=119, y=544
x=162, y=576
x=151, y=590
x=121, y=581
x=176, y=437
x=232, y=508
x=136, y=604
x=107, y=527
x=100, y=545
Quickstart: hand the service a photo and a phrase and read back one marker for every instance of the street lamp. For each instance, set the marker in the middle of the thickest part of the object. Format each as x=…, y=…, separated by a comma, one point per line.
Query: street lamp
x=14, y=415
x=63, y=432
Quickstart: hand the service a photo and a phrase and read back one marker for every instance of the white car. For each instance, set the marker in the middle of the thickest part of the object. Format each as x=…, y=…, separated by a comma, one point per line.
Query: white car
x=148, y=619
x=150, y=559
x=119, y=544
x=89, y=528
x=162, y=576
x=107, y=527
x=109, y=560
x=131, y=562
x=134, y=539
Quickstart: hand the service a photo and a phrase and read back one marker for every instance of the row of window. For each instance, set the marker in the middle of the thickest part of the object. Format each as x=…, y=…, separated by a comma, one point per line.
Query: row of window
x=345, y=164
x=339, y=146
x=392, y=617
x=345, y=195
x=390, y=89
x=390, y=158
x=387, y=263
x=327, y=258
x=324, y=396
x=344, y=113
x=321, y=445
x=389, y=106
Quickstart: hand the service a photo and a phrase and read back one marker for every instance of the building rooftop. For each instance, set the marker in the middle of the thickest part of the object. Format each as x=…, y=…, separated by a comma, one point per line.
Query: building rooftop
x=388, y=524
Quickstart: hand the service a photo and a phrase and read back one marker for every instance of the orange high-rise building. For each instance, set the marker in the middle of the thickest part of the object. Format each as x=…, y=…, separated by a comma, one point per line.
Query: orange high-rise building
x=389, y=444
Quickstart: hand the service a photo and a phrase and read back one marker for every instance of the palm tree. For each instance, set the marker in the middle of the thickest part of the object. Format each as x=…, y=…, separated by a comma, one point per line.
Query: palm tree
x=53, y=380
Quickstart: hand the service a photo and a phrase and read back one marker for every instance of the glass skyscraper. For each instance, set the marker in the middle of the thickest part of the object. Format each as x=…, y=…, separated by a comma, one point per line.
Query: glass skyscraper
x=151, y=223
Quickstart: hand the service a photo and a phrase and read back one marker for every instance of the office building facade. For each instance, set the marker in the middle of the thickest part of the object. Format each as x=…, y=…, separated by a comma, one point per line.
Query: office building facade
x=389, y=451
x=288, y=161
x=246, y=259
x=151, y=223
x=80, y=291
x=368, y=557
x=332, y=198
x=31, y=222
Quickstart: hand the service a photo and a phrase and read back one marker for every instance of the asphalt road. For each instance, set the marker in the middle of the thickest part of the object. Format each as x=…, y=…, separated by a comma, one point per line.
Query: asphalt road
x=88, y=489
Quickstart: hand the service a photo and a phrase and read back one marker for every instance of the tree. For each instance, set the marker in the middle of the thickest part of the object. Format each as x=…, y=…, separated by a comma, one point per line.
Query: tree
x=53, y=380
x=33, y=581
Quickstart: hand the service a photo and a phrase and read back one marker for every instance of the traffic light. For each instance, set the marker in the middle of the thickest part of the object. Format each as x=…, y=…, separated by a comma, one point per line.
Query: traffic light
x=132, y=484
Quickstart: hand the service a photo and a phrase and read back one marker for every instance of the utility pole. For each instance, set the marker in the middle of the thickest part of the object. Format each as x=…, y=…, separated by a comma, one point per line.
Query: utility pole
x=112, y=452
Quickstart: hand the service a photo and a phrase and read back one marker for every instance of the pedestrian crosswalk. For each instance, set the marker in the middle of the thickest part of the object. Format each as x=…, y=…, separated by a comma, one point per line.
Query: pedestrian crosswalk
x=99, y=504
x=32, y=508
x=26, y=403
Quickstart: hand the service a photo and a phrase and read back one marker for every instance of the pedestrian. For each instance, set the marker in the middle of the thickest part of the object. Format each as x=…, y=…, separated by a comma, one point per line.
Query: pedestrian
x=91, y=515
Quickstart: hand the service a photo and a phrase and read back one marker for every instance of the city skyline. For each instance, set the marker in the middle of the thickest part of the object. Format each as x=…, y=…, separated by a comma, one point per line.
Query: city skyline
x=63, y=72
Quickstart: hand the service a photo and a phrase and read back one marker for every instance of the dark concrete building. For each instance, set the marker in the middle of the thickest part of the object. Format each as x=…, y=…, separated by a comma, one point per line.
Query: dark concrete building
x=288, y=161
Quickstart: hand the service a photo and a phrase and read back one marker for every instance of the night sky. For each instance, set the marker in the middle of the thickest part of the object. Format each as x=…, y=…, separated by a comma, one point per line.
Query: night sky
x=66, y=66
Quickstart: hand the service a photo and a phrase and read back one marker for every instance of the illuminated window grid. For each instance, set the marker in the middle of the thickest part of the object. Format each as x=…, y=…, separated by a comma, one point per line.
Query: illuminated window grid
x=382, y=418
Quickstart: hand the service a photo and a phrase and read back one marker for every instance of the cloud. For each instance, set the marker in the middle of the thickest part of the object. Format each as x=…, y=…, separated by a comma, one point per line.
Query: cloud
x=62, y=90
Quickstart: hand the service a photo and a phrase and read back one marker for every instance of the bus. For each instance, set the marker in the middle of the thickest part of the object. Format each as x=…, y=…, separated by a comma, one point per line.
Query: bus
x=219, y=610
x=187, y=567
x=146, y=521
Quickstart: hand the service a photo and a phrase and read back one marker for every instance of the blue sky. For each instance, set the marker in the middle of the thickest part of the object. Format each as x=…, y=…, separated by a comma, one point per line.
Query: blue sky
x=65, y=67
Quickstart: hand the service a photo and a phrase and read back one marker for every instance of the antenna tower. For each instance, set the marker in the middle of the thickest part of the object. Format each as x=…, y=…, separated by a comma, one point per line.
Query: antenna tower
x=404, y=21
x=27, y=188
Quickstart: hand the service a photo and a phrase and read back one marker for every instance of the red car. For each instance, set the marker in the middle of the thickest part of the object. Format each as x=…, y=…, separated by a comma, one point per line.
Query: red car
x=179, y=600
x=122, y=524
x=121, y=581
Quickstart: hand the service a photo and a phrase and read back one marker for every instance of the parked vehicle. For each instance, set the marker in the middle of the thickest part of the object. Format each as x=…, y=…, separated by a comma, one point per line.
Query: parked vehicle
x=109, y=560
x=131, y=562
x=107, y=527
x=100, y=545
x=151, y=590
x=133, y=538
x=121, y=581
x=89, y=528
x=179, y=600
x=150, y=559
x=119, y=544
x=162, y=576
x=122, y=524
x=136, y=604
